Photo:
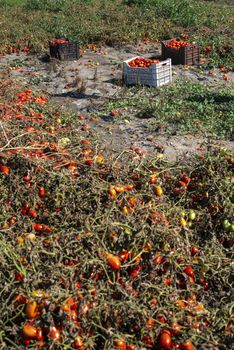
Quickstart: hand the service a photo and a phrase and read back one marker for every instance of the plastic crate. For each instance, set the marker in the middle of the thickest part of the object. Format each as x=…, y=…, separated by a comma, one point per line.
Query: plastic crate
x=66, y=51
x=187, y=55
x=157, y=74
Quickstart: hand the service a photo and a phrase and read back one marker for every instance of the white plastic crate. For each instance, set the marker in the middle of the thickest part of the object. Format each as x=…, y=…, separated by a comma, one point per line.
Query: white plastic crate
x=157, y=74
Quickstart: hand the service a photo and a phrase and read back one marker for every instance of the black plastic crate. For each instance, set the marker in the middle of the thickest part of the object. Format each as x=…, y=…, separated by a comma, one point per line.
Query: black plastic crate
x=65, y=51
x=186, y=55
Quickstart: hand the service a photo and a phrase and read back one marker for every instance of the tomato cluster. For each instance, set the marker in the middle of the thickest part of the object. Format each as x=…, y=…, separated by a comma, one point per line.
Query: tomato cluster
x=142, y=62
x=177, y=44
x=58, y=41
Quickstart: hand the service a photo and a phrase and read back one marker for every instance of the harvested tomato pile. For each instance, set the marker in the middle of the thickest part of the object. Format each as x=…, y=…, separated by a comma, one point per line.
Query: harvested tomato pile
x=58, y=41
x=99, y=252
x=142, y=62
x=177, y=44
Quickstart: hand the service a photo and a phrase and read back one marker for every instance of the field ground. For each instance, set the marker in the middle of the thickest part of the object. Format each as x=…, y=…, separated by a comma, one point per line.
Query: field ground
x=116, y=203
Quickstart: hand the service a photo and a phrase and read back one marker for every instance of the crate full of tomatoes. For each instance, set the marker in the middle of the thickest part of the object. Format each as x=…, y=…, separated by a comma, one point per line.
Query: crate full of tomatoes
x=64, y=50
x=149, y=72
x=181, y=52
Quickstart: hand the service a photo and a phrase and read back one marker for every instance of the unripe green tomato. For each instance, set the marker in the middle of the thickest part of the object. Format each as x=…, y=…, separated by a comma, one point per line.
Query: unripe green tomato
x=183, y=214
x=190, y=224
x=226, y=224
x=231, y=228
x=192, y=215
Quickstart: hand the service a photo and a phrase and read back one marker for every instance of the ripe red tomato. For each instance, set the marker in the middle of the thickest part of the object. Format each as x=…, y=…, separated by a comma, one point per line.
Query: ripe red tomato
x=188, y=270
x=124, y=255
x=78, y=343
x=135, y=271
x=41, y=192
x=114, y=261
x=32, y=213
x=120, y=344
x=54, y=333
x=4, y=169
x=187, y=345
x=165, y=340
x=194, y=250
x=176, y=328
x=130, y=347
x=25, y=209
x=37, y=227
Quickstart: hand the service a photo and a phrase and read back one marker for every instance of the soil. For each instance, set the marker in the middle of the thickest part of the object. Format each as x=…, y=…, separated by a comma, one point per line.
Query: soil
x=84, y=86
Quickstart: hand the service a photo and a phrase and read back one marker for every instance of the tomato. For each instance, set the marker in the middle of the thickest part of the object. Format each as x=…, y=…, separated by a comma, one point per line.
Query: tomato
x=37, y=227
x=185, y=179
x=114, y=113
x=167, y=281
x=4, y=169
x=192, y=215
x=226, y=224
x=158, y=191
x=187, y=345
x=29, y=331
x=31, y=309
x=27, y=178
x=176, y=328
x=25, y=209
x=165, y=340
x=183, y=222
x=32, y=213
x=112, y=192
x=194, y=250
x=113, y=261
x=135, y=271
x=120, y=344
x=39, y=334
x=41, y=192
x=78, y=343
x=124, y=255
x=130, y=347
x=188, y=270
x=19, y=277
x=54, y=333
x=128, y=187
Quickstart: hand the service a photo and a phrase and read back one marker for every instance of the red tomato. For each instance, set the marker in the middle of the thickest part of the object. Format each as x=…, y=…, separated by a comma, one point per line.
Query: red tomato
x=130, y=347
x=78, y=343
x=54, y=333
x=120, y=344
x=37, y=227
x=124, y=255
x=187, y=345
x=25, y=209
x=188, y=270
x=113, y=261
x=135, y=271
x=176, y=327
x=41, y=192
x=194, y=251
x=33, y=213
x=165, y=340
x=4, y=169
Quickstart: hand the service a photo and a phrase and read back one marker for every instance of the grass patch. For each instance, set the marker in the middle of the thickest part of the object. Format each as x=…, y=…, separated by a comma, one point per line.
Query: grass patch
x=183, y=107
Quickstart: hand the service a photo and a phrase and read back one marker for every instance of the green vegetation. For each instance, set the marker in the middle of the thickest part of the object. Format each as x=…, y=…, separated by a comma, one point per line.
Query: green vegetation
x=114, y=22
x=183, y=107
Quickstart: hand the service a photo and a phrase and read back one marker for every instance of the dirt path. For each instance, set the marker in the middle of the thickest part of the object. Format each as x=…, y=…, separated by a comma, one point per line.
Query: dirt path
x=86, y=85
